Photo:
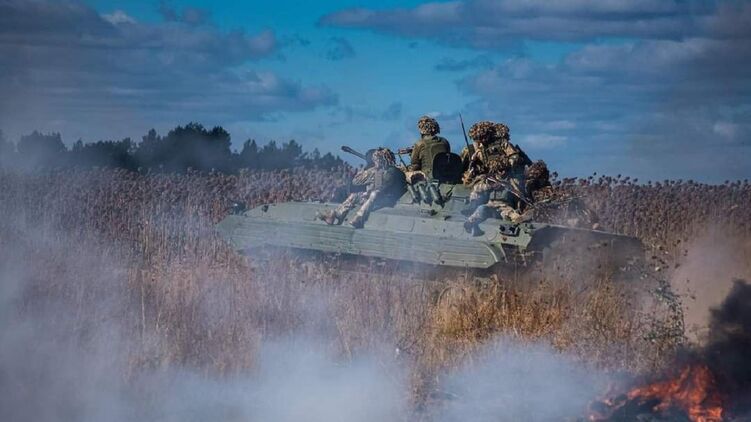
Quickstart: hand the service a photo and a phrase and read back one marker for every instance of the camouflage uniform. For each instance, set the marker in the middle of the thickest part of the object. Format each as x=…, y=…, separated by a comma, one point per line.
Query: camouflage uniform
x=496, y=175
x=495, y=200
x=482, y=135
x=515, y=159
x=383, y=182
x=428, y=146
x=536, y=177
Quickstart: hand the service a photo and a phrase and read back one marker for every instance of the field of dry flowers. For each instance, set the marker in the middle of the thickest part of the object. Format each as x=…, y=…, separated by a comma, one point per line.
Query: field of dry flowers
x=137, y=253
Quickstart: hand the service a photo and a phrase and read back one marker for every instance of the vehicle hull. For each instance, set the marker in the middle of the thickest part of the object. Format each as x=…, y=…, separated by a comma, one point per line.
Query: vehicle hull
x=408, y=233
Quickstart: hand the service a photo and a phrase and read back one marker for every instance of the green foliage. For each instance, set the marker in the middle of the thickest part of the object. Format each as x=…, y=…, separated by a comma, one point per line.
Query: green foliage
x=118, y=154
x=189, y=147
x=42, y=150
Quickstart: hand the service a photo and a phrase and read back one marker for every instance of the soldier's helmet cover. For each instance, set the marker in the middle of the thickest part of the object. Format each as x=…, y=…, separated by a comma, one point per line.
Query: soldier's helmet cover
x=383, y=157
x=502, y=131
x=538, y=171
x=483, y=131
x=428, y=126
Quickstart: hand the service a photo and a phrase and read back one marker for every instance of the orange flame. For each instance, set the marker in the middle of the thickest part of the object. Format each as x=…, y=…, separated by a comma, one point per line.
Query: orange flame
x=693, y=391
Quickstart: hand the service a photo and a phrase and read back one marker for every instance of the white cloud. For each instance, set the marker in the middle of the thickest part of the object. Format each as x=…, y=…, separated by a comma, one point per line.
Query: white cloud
x=118, y=17
x=561, y=125
x=102, y=75
x=542, y=141
x=726, y=129
x=496, y=23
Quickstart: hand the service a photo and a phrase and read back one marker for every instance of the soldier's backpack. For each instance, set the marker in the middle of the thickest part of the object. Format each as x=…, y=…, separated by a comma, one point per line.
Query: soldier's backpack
x=391, y=182
x=447, y=168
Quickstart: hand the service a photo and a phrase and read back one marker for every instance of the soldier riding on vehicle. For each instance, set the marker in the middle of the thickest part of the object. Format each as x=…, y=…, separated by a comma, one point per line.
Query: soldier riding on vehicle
x=424, y=222
x=426, y=148
x=555, y=205
x=496, y=173
x=383, y=184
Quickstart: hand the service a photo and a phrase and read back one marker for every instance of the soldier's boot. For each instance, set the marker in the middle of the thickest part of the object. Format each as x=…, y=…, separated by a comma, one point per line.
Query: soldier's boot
x=473, y=227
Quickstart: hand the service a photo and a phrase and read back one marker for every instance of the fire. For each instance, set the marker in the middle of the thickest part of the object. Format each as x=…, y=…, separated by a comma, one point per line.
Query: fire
x=693, y=390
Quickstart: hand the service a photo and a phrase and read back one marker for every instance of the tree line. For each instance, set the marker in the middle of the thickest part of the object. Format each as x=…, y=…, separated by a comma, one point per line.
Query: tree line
x=185, y=147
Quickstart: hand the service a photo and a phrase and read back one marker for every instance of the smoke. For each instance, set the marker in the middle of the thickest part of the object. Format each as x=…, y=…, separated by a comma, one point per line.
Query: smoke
x=513, y=382
x=174, y=327
x=707, y=269
x=295, y=381
x=67, y=355
x=69, y=351
x=728, y=349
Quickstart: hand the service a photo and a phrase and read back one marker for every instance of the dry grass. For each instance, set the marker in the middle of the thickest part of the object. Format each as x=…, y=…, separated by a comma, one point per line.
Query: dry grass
x=139, y=251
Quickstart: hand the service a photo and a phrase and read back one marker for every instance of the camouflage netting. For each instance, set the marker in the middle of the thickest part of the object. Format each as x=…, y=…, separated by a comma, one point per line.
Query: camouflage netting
x=482, y=131
x=428, y=126
x=502, y=131
x=383, y=157
x=537, y=176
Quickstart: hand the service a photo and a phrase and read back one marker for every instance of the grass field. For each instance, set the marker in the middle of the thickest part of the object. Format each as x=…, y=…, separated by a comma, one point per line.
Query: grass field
x=130, y=261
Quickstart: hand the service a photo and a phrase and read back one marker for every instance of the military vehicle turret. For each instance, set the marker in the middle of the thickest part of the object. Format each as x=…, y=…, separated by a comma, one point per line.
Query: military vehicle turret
x=425, y=226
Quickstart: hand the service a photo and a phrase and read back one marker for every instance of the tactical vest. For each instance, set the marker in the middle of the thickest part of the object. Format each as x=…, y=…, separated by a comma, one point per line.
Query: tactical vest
x=433, y=146
x=494, y=157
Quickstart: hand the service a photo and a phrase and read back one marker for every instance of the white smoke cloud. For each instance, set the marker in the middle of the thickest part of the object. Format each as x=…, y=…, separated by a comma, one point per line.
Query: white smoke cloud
x=62, y=362
x=507, y=381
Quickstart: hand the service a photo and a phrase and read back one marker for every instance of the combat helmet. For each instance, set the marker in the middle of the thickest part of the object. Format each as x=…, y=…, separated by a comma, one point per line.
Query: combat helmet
x=483, y=131
x=384, y=157
x=428, y=126
x=502, y=132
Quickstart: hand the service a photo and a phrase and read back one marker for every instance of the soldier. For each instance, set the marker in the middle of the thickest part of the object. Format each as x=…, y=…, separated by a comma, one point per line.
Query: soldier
x=537, y=180
x=516, y=158
x=555, y=205
x=428, y=146
x=495, y=197
x=514, y=161
x=482, y=134
x=495, y=174
x=383, y=182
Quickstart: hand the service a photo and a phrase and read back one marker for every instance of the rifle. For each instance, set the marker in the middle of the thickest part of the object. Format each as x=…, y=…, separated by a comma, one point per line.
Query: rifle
x=464, y=132
x=407, y=150
x=399, y=154
x=511, y=187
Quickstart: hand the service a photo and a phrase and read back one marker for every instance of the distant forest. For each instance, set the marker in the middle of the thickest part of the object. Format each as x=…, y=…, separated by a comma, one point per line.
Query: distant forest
x=185, y=147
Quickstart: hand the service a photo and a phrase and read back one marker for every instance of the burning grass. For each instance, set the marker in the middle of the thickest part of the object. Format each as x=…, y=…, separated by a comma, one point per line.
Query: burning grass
x=688, y=392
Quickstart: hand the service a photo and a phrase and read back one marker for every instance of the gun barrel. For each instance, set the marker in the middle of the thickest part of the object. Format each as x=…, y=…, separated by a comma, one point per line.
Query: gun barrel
x=353, y=152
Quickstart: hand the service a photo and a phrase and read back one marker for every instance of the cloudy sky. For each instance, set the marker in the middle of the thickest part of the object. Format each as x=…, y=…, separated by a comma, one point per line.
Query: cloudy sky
x=650, y=88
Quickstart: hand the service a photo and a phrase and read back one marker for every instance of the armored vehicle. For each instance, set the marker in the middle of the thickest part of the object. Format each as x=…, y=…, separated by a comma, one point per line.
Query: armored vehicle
x=424, y=226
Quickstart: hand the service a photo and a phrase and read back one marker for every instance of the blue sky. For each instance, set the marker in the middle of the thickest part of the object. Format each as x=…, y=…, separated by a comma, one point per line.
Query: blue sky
x=650, y=88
